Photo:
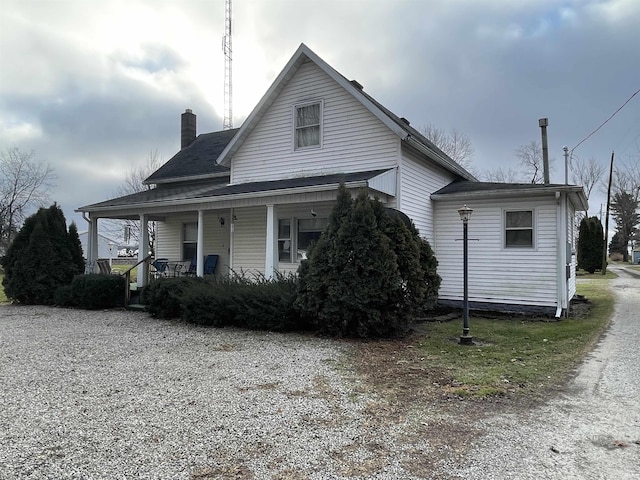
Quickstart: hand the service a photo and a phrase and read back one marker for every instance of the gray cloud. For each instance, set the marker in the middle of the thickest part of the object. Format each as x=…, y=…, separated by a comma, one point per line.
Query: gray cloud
x=94, y=87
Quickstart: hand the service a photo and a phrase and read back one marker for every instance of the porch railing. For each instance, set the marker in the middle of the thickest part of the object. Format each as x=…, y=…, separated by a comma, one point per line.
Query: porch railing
x=127, y=278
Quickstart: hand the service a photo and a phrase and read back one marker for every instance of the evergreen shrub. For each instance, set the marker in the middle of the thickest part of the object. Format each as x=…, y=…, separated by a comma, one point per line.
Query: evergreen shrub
x=367, y=274
x=590, y=244
x=92, y=292
x=163, y=296
x=255, y=304
x=43, y=257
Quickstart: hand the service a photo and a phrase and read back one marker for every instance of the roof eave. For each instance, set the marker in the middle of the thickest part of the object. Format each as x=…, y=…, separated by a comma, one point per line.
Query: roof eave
x=232, y=197
x=576, y=191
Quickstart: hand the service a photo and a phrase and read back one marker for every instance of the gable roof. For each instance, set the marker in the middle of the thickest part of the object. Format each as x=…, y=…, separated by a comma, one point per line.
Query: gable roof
x=197, y=161
x=392, y=121
x=465, y=189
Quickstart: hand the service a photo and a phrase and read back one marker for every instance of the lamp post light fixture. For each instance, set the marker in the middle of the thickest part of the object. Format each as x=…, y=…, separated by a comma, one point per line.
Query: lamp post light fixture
x=465, y=214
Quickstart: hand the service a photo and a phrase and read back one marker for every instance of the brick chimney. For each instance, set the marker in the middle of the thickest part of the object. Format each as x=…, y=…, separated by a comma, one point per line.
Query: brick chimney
x=188, y=129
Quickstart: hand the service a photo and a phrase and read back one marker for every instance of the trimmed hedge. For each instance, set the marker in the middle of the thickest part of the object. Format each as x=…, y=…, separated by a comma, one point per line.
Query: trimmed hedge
x=256, y=304
x=163, y=297
x=92, y=292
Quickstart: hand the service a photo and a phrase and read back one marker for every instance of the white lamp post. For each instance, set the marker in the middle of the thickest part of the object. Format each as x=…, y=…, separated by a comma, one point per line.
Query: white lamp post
x=465, y=214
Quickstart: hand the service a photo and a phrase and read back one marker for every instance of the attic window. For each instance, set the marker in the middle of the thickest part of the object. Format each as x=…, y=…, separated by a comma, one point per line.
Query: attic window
x=308, y=125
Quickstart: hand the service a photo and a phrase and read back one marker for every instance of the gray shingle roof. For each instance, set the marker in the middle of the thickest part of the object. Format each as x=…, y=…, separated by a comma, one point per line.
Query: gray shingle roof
x=198, y=160
x=194, y=191
x=470, y=187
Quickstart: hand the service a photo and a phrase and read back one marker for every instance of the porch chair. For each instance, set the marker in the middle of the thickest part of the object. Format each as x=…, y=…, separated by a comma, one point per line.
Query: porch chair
x=103, y=266
x=210, y=264
x=162, y=267
x=192, y=267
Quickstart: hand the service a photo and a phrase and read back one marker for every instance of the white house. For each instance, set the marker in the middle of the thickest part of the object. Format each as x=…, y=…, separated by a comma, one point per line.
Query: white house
x=258, y=195
x=107, y=248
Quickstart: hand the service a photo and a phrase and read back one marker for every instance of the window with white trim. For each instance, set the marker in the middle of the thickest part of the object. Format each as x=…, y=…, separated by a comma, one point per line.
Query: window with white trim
x=284, y=240
x=295, y=236
x=307, y=125
x=518, y=229
x=189, y=240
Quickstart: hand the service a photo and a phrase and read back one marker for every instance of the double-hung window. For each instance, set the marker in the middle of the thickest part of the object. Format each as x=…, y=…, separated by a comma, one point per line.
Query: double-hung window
x=295, y=236
x=519, y=229
x=189, y=240
x=307, y=125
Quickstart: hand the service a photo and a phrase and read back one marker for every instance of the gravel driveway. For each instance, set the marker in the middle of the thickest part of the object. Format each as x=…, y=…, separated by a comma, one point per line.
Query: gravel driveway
x=591, y=430
x=114, y=394
x=119, y=395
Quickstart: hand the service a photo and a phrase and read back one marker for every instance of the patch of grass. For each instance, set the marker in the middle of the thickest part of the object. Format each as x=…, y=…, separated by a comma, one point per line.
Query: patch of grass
x=123, y=268
x=598, y=274
x=518, y=355
x=3, y=297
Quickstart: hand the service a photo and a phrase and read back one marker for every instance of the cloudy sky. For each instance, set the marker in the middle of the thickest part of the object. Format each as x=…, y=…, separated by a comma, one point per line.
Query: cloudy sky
x=94, y=87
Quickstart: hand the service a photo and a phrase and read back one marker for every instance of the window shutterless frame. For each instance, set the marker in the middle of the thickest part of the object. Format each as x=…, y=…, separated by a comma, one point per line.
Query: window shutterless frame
x=519, y=228
x=307, y=125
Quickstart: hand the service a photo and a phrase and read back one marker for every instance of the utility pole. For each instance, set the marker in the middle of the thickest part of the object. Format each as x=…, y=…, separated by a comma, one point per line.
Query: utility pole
x=228, y=77
x=606, y=220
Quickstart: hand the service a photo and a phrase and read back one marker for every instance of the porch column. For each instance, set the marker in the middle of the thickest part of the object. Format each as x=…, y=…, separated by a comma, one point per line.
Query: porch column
x=92, y=245
x=271, y=250
x=200, y=245
x=143, y=250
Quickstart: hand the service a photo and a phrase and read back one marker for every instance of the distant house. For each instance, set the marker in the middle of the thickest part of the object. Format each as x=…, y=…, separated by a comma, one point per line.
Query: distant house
x=258, y=195
x=107, y=248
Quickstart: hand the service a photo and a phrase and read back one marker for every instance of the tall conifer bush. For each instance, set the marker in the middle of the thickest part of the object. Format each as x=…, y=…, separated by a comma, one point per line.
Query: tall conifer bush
x=42, y=257
x=364, y=277
x=590, y=244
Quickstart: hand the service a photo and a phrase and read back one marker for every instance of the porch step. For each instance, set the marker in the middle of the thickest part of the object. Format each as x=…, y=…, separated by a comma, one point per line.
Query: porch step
x=136, y=307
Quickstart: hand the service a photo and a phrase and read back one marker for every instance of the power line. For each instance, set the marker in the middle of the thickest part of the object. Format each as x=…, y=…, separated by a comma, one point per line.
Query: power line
x=605, y=122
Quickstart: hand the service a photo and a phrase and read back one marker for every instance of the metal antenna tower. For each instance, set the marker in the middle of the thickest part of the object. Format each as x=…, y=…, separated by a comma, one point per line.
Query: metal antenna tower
x=226, y=48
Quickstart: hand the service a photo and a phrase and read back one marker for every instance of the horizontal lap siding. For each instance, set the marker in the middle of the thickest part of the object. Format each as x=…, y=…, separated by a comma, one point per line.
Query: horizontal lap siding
x=353, y=138
x=249, y=239
x=521, y=276
x=418, y=181
x=216, y=237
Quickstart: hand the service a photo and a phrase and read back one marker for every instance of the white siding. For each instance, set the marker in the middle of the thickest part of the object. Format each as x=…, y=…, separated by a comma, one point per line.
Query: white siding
x=353, y=139
x=496, y=274
x=418, y=181
x=249, y=239
x=216, y=237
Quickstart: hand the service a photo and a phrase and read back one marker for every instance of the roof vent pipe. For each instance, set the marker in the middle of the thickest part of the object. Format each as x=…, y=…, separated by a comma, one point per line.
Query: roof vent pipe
x=544, y=122
x=187, y=128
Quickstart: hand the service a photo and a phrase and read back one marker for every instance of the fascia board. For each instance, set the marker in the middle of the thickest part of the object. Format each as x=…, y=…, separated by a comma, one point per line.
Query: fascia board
x=265, y=102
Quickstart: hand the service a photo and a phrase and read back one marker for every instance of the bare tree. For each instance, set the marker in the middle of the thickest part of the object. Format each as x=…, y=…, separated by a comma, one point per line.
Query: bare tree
x=500, y=175
x=134, y=183
x=587, y=174
x=530, y=158
x=454, y=143
x=626, y=178
x=25, y=184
